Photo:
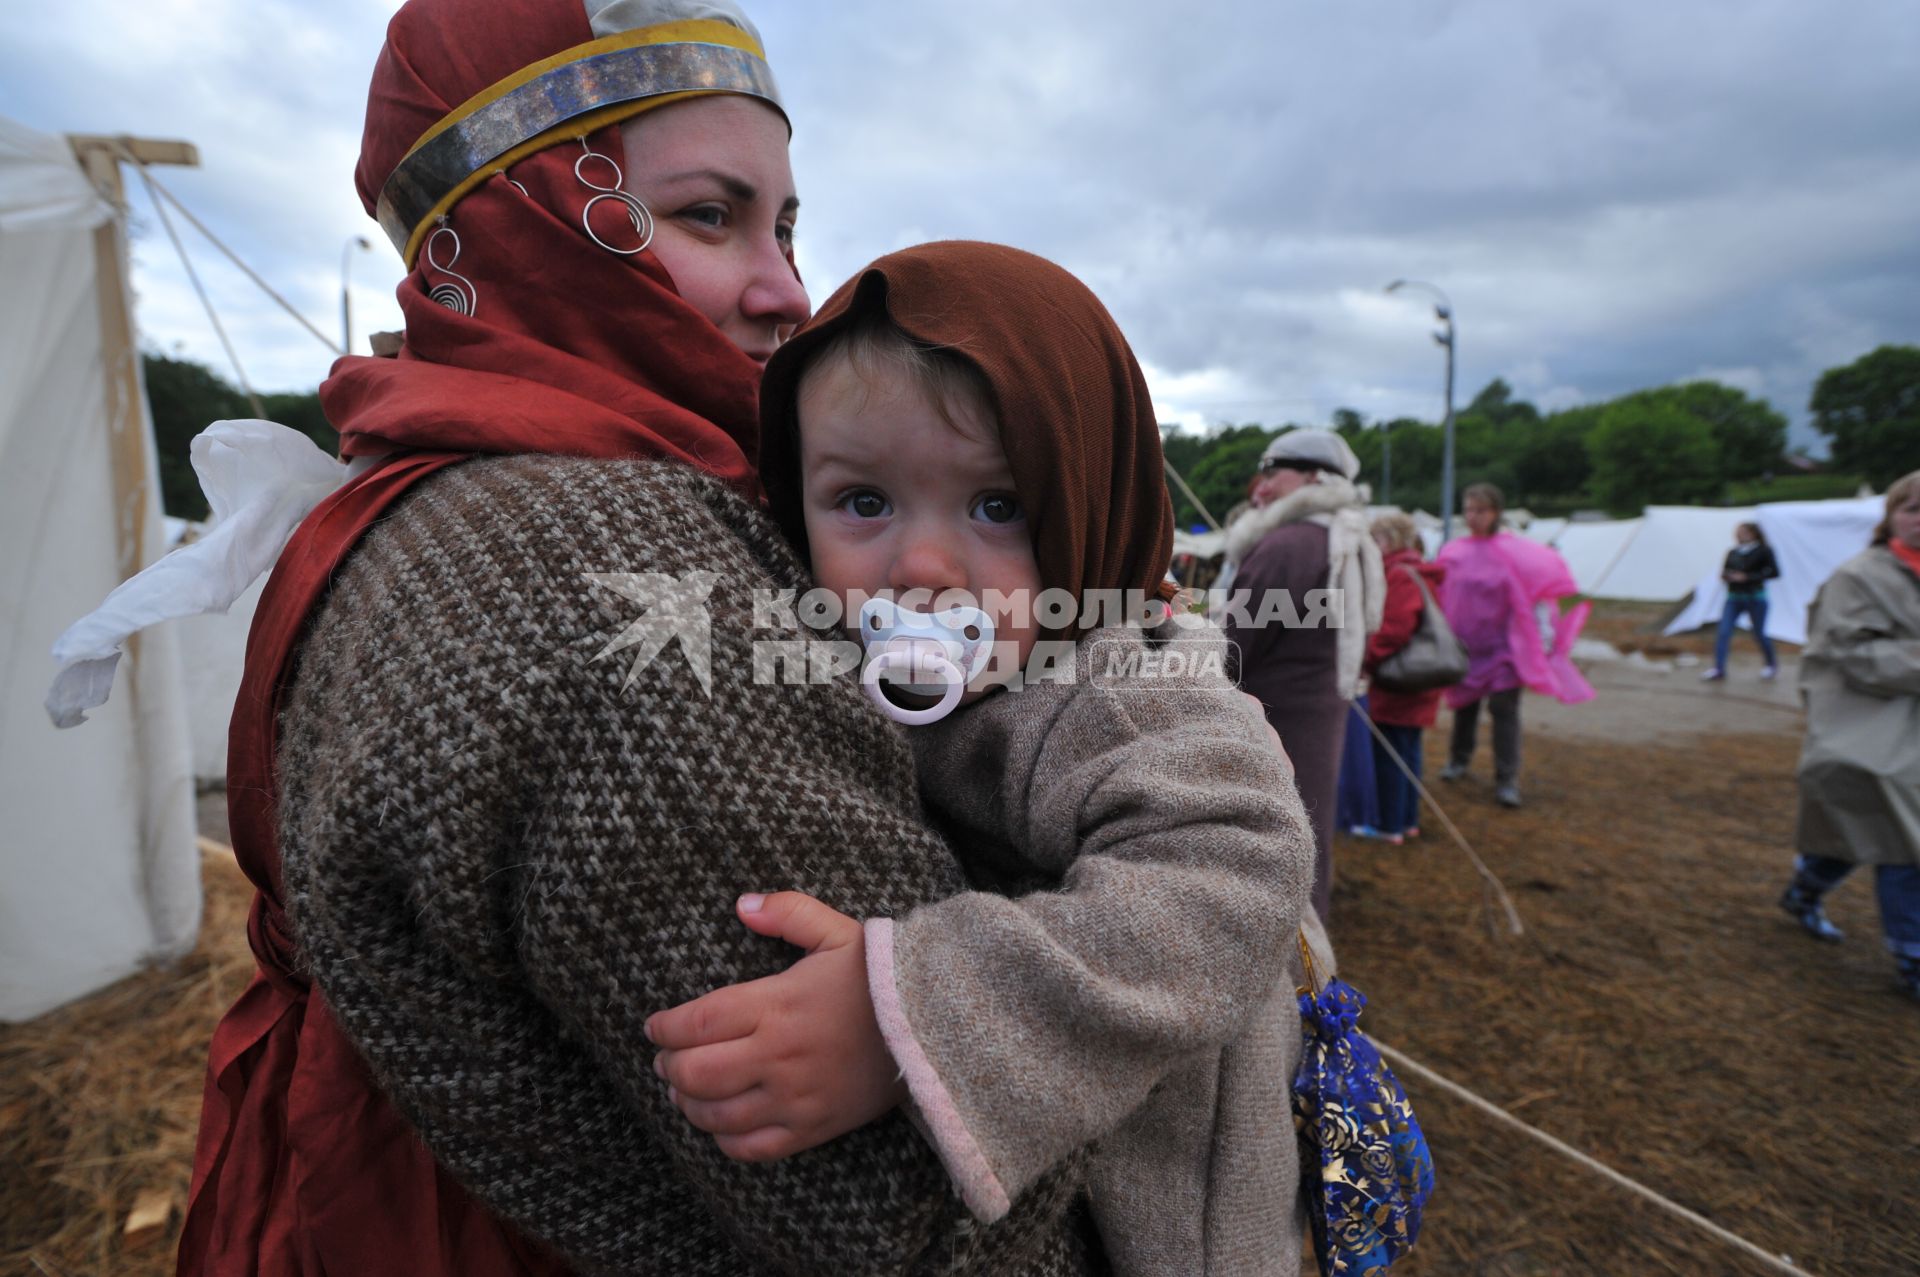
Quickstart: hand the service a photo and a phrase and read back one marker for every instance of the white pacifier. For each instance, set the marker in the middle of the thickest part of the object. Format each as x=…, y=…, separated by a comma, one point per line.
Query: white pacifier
x=928, y=654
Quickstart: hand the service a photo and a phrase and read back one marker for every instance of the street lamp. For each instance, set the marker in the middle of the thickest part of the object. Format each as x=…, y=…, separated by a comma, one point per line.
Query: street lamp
x=1442, y=311
x=346, y=300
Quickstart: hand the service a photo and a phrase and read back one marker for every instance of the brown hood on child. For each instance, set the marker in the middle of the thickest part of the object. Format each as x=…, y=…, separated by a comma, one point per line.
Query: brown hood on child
x=1075, y=418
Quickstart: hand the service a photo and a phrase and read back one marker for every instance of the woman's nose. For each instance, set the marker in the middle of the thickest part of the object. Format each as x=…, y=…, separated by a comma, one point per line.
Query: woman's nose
x=775, y=293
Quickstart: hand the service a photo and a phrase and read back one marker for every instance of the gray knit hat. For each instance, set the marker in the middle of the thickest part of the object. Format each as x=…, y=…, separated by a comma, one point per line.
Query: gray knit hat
x=1321, y=449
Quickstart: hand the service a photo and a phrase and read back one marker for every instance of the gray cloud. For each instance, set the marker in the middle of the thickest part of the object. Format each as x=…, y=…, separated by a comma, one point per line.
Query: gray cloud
x=1614, y=196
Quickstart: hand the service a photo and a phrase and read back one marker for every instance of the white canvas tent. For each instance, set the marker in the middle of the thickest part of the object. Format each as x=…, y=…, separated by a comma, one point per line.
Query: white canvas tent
x=1667, y=553
x=213, y=652
x=1591, y=549
x=98, y=869
x=1809, y=540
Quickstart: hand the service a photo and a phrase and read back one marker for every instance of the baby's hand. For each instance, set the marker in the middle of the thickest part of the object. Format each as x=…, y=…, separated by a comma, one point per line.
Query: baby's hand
x=780, y=1065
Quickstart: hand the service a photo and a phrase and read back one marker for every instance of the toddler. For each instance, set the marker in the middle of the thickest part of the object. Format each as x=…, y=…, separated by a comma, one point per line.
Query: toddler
x=964, y=422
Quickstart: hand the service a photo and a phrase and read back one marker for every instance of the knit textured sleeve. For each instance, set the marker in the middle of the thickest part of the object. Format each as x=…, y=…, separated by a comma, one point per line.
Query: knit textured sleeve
x=1030, y=1026
x=506, y=844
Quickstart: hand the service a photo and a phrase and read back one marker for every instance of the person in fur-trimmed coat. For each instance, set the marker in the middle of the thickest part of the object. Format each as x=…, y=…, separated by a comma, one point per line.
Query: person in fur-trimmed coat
x=1306, y=533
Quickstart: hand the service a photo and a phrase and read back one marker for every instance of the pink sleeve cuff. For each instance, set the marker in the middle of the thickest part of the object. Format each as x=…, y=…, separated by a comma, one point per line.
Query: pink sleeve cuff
x=966, y=1164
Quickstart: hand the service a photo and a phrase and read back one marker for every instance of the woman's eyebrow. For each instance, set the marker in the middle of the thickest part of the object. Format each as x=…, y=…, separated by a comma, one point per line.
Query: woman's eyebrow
x=739, y=188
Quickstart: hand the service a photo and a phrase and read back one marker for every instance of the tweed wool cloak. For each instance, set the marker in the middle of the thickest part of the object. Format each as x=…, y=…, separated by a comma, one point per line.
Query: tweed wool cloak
x=507, y=839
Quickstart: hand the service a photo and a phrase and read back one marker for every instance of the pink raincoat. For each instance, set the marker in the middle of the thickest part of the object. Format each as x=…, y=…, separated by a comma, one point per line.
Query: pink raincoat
x=1492, y=587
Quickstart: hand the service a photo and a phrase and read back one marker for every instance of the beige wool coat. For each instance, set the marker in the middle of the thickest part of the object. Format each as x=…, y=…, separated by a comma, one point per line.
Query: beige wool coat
x=1860, y=678
x=1125, y=973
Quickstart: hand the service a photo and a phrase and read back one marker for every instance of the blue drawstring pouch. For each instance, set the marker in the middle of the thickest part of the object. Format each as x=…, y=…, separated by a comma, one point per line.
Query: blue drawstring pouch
x=1365, y=1168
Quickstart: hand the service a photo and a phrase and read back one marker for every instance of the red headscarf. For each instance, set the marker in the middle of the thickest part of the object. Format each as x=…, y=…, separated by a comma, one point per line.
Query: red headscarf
x=302, y=1166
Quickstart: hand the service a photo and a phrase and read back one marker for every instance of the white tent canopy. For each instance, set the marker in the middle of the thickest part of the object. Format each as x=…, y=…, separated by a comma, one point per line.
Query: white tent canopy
x=1809, y=540
x=1667, y=553
x=98, y=871
x=1591, y=549
x=213, y=654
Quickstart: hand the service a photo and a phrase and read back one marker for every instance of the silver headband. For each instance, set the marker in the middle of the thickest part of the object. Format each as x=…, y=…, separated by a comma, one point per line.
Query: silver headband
x=433, y=171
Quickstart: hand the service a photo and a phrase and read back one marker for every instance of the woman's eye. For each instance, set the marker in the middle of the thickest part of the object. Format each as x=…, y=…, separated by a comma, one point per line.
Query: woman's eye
x=998, y=507
x=784, y=233
x=865, y=505
x=708, y=215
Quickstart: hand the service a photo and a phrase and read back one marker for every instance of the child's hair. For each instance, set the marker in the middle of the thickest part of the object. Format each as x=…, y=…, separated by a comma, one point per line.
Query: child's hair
x=873, y=344
x=1397, y=531
x=1485, y=492
x=1759, y=537
x=1905, y=486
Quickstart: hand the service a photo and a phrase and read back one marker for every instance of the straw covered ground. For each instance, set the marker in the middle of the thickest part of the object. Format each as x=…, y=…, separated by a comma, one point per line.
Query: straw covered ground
x=1660, y=1014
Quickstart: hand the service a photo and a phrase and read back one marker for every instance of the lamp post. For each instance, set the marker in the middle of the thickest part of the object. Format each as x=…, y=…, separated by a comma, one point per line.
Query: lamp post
x=1442, y=311
x=346, y=299
x=1386, y=463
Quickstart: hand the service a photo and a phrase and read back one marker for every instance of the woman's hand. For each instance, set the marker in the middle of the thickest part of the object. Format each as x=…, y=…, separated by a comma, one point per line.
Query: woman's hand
x=780, y=1065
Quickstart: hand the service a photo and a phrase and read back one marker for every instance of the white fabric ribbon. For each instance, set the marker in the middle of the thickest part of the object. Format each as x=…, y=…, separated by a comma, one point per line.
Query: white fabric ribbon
x=261, y=479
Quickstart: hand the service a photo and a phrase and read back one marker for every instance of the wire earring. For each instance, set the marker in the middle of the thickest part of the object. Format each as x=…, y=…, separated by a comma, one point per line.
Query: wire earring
x=457, y=293
x=642, y=219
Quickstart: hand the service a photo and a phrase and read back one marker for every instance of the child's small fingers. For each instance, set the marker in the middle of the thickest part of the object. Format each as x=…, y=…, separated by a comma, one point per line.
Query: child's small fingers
x=735, y=1116
x=798, y=919
x=720, y=1016
x=767, y=1144
x=715, y=1072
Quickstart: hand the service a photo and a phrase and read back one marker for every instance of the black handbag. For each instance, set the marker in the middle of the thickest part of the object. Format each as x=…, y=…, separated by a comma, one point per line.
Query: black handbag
x=1433, y=657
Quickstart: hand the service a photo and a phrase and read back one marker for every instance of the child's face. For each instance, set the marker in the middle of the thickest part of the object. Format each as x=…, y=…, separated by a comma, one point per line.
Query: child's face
x=898, y=500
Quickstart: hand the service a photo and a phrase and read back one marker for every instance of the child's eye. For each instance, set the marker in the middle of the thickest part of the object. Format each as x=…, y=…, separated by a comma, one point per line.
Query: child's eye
x=865, y=504
x=999, y=507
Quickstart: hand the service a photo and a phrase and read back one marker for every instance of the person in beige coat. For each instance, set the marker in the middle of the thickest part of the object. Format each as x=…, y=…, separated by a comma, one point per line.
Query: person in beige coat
x=1860, y=767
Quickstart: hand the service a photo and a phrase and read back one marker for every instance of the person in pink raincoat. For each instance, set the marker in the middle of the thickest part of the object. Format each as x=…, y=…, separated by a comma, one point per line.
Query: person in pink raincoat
x=1502, y=596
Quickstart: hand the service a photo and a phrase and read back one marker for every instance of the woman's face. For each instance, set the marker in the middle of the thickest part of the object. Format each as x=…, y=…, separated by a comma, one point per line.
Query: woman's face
x=713, y=172
x=1482, y=517
x=1744, y=535
x=1906, y=521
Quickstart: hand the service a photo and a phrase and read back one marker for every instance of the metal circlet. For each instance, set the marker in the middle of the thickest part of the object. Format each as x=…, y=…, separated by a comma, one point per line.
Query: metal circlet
x=638, y=212
x=457, y=293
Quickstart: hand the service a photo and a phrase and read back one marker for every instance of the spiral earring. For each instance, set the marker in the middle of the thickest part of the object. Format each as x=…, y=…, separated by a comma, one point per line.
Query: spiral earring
x=457, y=293
x=642, y=219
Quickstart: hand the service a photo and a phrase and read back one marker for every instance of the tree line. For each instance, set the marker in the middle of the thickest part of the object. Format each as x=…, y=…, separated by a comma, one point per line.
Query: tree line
x=1692, y=444
x=1697, y=443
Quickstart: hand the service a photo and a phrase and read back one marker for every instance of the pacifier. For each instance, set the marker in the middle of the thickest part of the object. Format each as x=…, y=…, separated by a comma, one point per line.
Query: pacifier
x=927, y=653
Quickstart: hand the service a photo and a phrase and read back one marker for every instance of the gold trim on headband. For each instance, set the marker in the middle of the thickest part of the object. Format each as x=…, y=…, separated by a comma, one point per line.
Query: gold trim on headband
x=572, y=93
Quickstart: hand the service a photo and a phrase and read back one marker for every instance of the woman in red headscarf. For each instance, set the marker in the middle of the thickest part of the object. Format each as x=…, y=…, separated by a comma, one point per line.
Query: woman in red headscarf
x=502, y=756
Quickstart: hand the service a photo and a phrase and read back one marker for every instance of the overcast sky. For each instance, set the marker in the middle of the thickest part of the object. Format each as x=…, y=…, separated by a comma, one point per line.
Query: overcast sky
x=1614, y=195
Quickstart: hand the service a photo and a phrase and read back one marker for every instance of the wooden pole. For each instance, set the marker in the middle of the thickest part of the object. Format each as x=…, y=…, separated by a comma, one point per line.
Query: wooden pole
x=100, y=158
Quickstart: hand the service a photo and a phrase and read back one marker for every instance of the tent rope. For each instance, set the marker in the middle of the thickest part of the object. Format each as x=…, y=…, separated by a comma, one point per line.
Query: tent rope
x=153, y=184
x=1204, y=512
x=233, y=356
x=1494, y=886
x=1778, y=1263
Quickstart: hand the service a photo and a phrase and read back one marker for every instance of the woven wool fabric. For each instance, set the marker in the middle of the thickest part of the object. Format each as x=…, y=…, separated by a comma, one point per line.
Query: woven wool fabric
x=499, y=859
x=1140, y=985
